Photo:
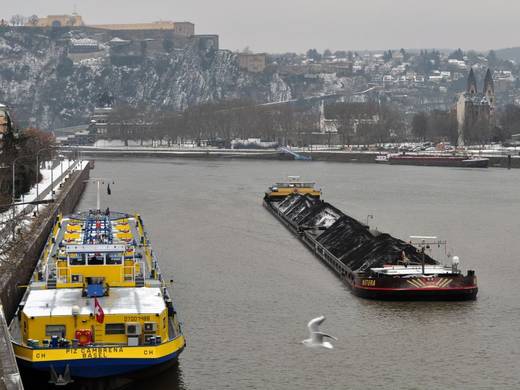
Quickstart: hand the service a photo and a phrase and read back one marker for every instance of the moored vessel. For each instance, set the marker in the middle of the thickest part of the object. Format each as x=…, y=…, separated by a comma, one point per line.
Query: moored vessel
x=97, y=304
x=373, y=264
x=438, y=160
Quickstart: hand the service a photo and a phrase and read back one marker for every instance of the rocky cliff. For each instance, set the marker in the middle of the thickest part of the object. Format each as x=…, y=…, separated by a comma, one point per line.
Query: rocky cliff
x=48, y=85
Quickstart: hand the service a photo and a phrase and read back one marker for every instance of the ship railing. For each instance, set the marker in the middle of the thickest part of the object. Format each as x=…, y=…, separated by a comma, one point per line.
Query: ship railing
x=62, y=274
x=319, y=249
x=128, y=272
x=45, y=259
x=325, y=254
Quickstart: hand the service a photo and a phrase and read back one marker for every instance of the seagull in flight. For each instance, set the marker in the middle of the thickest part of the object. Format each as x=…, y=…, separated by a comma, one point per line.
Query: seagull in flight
x=316, y=339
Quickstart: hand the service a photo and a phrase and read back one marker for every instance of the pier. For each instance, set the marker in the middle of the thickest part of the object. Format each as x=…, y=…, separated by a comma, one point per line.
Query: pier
x=368, y=157
x=10, y=376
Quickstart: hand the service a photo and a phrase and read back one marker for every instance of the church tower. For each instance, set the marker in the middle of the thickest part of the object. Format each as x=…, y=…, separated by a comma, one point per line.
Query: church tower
x=489, y=93
x=472, y=83
x=489, y=89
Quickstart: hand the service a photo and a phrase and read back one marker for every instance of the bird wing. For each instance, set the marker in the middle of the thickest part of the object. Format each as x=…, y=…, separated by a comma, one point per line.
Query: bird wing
x=315, y=323
x=321, y=335
x=317, y=338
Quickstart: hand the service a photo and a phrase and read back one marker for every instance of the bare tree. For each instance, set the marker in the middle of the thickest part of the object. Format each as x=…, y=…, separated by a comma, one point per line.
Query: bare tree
x=33, y=20
x=18, y=20
x=121, y=123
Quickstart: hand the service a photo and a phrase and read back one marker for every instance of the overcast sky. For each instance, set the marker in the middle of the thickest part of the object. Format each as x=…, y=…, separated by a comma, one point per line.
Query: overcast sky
x=297, y=25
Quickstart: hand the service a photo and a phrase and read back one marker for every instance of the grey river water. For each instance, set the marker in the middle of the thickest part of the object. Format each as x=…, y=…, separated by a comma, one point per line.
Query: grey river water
x=246, y=288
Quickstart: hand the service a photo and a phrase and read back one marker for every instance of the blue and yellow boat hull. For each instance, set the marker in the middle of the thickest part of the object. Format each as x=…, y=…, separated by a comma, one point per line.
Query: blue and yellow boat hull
x=99, y=361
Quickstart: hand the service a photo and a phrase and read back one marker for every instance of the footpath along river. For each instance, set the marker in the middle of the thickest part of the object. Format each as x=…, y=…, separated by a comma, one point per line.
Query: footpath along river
x=246, y=288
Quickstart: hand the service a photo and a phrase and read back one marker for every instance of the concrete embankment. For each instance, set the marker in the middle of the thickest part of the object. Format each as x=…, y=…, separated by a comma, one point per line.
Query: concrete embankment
x=10, y=376
x=17, y=270
x=502, y=161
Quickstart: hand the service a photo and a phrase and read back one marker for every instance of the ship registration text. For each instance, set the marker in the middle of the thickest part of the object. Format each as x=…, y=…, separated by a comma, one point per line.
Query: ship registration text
x=102, y=352
x=93, y=353
x=368, y=282
x=137, y=318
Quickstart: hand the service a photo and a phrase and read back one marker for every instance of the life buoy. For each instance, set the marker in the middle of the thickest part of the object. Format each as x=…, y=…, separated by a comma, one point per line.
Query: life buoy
x=84, y=336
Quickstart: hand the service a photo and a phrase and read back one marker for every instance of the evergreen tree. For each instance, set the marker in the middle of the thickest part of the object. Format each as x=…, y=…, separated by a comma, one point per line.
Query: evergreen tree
x=420, y=125
x=387, y=55
x=457, y=55
x=314, y=55
x=493, y=60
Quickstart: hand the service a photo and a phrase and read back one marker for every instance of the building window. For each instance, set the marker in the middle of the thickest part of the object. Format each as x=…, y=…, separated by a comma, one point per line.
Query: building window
x=55, y=330
x=115, y=329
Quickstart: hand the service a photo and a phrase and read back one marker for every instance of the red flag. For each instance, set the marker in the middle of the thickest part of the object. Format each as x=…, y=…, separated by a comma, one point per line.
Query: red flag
x=98, y=310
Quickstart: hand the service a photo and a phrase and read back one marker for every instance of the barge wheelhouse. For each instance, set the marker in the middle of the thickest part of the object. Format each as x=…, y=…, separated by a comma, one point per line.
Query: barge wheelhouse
x=280, y=191
x=97, y=304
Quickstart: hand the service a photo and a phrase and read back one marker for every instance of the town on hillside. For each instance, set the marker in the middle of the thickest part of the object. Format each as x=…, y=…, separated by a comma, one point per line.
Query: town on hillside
x=332, y=97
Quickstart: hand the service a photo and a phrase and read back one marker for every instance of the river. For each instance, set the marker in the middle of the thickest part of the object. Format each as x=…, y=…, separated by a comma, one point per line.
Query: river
x=245, y=287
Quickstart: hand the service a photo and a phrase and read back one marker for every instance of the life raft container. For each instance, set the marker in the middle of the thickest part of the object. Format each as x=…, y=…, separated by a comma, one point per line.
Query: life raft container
x=84, y=336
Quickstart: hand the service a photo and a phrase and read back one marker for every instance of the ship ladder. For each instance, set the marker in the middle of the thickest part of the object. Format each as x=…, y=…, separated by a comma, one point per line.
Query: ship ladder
x=98, y=333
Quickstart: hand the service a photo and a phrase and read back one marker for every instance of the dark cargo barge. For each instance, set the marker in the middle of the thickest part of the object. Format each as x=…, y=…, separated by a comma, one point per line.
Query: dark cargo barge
x=374, y=265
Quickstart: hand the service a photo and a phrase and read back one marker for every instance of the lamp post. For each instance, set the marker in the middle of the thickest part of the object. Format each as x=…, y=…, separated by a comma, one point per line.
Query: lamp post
x=38, y=173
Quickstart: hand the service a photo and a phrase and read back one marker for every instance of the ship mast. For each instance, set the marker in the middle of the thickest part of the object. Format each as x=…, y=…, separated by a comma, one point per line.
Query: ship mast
x=424, y=243
x=98, y=181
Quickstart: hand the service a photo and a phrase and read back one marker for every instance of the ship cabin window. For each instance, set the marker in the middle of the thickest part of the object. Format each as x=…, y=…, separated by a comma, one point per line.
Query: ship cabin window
x=295, y=185
x=55, y=330
x=115, y=329
x=96, y=259
x=78, y=259
x=114, y=258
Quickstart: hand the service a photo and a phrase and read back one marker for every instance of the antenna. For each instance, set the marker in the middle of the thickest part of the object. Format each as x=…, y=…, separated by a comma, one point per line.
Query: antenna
x=75, y=10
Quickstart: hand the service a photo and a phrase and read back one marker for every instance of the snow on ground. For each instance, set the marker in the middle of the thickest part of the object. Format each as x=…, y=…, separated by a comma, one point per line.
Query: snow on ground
x=59, y=173
x=23, y=212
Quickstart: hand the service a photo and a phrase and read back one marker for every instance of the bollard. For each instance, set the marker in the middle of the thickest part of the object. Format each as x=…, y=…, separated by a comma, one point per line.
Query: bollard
x=508, y=161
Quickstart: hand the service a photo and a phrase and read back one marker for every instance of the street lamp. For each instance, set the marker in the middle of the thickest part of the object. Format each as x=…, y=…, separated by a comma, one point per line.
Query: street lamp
x=38, y=178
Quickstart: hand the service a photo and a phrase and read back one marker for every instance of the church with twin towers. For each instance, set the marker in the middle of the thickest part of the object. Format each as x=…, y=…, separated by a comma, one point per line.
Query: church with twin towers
x=476, y=108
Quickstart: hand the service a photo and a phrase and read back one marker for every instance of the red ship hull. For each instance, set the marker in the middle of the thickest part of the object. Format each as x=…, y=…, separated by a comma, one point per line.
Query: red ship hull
x=439, y=161
x=442, y=288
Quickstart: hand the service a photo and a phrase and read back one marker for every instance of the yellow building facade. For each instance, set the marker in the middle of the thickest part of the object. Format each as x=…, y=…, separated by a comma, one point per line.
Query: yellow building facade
x=181, y=28
x=60, y=21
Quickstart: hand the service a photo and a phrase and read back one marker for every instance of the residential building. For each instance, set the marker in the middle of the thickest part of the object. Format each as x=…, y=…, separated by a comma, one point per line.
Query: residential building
x=250, y=62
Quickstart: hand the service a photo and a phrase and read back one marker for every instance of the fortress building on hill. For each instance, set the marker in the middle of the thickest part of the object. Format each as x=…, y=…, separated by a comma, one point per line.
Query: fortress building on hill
x=186, y=29
x=181, y=28
x=57, y=21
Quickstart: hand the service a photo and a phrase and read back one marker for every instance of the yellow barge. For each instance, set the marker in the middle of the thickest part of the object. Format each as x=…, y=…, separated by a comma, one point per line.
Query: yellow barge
x=294, y=185
x=97, y=304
